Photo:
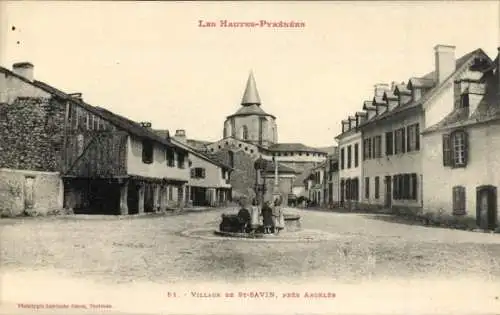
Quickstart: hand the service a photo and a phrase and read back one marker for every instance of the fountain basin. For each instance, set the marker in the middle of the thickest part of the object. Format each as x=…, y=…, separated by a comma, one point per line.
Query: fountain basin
x=292, y=222
x=230, y=226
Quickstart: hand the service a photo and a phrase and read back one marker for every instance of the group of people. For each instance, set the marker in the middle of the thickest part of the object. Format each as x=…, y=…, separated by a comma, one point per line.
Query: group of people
x=271, y=216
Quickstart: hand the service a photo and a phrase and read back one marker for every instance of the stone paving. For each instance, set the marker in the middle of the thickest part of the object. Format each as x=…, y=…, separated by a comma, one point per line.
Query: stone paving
x=152, y=247
x=134, y=263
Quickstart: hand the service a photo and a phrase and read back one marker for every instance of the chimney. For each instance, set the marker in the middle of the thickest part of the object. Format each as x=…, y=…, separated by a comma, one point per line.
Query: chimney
x=180, y=135
x=24, y=69
x=146, y=124
x=380, y=88
x=444, y=61
x=77, y=96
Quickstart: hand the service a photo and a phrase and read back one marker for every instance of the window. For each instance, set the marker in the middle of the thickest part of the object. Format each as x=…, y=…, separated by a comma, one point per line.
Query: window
x=198, y=172
x=180, y=160
x=356, y=155
x=170, y=157
x=367, y=187
x=459, y=200
x=349, y=156
x=389, y=140
x=231, y=158
x=377, y=146
x=365, y=149
x=413, y=138
x=458, y=147
x=147, y=151
x=399, y=141
x=455, y=149
x=464, y=101
x=377, y=187
x=405, y=187
x=342, y=158
x=170, y=193
x=245, y=133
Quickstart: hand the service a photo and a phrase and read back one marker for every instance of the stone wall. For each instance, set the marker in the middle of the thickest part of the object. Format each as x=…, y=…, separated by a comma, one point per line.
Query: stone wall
x=30, y=192
x=31, y=134
x=243, y=175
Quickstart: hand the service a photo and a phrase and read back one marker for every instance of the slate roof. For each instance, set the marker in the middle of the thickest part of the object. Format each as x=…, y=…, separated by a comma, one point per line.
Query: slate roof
x=282, y=169
x=460, y=63
x=201, y=155
x=488, y=108
x=423, y=82
x=368, y=105
x=251, y=95
x=330, y=150
x=198, y=145
x=121, y=122
x=253, y=109
x=296, y=147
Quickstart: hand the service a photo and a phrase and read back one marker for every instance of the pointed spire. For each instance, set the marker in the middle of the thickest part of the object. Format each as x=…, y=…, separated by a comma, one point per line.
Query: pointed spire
x=251, y=96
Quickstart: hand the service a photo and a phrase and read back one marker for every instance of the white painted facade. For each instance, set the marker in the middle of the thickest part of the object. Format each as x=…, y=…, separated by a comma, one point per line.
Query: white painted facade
x=482, y=169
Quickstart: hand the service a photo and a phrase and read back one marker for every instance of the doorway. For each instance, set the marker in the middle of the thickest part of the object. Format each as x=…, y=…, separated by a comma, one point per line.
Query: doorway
x=486, y=207
x=388, y=192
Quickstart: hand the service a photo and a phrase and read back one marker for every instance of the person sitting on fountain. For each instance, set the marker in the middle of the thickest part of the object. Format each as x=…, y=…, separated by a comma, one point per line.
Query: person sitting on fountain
x=244, y=216
x=267, y=217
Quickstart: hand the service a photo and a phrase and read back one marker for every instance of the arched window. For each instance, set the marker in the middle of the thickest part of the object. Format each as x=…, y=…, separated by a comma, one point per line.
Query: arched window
x=245, y=133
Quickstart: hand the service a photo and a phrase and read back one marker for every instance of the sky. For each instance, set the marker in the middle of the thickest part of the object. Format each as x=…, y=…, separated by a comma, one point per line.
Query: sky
x=150, y=61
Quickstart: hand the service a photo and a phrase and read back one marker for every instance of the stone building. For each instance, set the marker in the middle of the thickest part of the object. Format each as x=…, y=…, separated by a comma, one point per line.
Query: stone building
x=58, y=151
x=460, y=152
x=251, y=133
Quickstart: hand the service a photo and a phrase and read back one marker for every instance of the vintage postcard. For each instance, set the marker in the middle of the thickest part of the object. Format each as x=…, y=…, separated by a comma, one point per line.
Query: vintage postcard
x=328, y=157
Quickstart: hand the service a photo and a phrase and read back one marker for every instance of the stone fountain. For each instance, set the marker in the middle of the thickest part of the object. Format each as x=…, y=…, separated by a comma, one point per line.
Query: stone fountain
x=231, y=225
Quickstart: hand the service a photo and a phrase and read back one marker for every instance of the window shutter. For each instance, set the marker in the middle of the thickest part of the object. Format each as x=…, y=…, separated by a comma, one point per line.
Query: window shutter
x=408, y=140
x=389, y=143
x=459, y=200
x=403, y=146
x=193, y=172
x=446, y=150
x=417, y=137
x=406, y=184
x=455, y=199
x=462, y=199
x=414, y=186
x=203, y=173
x=395, y=187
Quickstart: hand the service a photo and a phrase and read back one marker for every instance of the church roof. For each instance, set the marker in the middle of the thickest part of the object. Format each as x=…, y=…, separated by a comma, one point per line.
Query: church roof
x=298, y=147
x=251, y=110
x=251, y=95
x=250, y=101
